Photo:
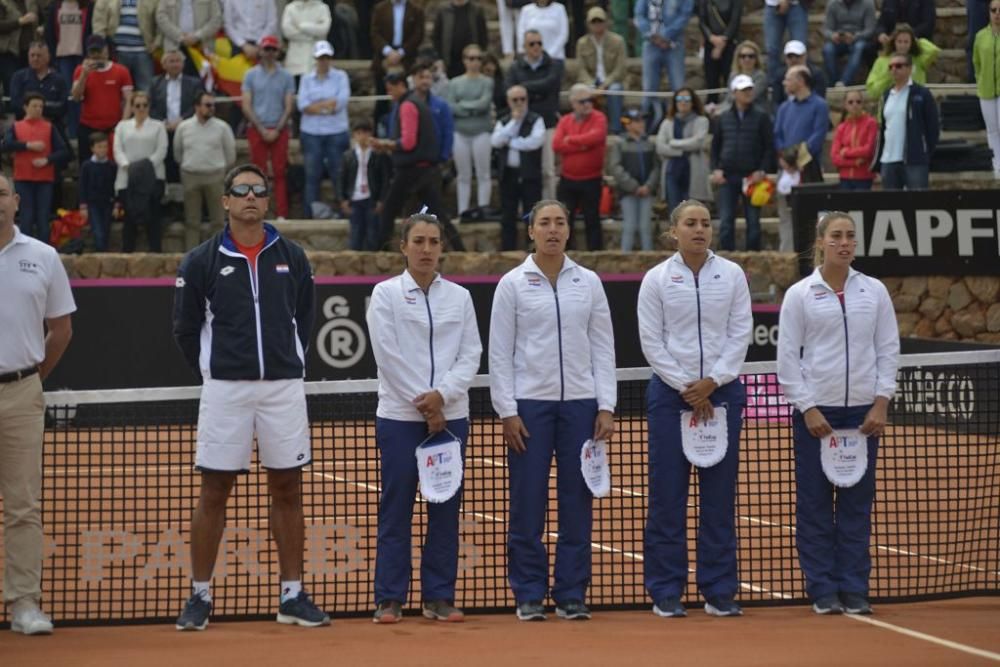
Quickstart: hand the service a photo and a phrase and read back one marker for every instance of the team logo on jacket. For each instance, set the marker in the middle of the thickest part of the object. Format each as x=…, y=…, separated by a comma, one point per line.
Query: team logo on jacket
x=411, y=300
x=534, y=282
x=179, y=282
x=677, y=279
x=576, y=280
x=819, y=295
x=226, y=270
x=716, y=276
x=281, y=268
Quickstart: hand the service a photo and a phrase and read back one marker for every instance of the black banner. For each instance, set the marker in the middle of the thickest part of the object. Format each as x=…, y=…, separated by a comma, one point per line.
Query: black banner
x=122, y=332
x=939, y=232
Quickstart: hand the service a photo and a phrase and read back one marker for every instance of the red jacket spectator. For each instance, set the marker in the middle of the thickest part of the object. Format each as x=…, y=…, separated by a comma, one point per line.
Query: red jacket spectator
x=582, y=144
x=854, y=147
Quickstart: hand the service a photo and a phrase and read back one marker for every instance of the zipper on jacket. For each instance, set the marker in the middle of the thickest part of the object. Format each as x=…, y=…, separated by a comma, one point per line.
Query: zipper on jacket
x=255, y=288
x=562, y=379
x=847, y=349
x=701, y=350
x=430, y=321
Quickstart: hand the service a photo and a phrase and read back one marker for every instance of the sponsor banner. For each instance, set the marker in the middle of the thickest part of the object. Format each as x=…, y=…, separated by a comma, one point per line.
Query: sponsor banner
x=939, y=232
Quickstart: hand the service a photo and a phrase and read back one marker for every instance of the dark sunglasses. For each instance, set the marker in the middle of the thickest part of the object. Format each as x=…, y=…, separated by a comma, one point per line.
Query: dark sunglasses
x=538, y=43
x=994, y=10
x=748, y=56
x=208, y=105
x=517, y=99
x=585, y=100
x=852, y=101
x=244, y=189
x=269, y=48
x=898, y=65
x=473, y=57
x=140, y=105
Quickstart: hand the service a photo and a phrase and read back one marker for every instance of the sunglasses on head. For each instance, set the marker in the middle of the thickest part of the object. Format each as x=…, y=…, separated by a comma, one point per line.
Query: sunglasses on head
x=244, y=189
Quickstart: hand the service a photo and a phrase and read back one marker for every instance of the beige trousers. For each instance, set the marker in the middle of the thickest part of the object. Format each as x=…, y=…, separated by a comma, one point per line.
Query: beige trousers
x=201, y=187
x=22, y=424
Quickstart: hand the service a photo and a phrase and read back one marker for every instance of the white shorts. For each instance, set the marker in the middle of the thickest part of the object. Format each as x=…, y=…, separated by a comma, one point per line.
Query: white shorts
x=232, y=411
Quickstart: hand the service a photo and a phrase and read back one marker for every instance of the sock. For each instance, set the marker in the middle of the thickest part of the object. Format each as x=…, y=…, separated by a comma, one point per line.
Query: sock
x=202, y=588
x=290, y=590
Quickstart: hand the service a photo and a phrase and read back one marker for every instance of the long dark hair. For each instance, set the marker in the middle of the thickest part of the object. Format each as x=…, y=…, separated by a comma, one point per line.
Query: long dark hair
x=696, y=104
x=890, y=46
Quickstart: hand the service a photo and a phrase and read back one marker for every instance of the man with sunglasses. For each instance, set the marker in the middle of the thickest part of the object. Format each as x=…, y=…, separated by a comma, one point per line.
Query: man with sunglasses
x=909, y=129
x=204, y=147
x=518, y=138
x=243, y=312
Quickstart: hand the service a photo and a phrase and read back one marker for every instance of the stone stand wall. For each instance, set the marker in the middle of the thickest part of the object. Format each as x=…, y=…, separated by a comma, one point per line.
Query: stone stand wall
x=947, y=307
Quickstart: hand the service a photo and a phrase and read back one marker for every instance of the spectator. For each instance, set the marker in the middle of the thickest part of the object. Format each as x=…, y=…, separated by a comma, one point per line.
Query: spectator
x=681, y=144
x=104, y=90
x=987, y=67
x=518, y=137
x=549, y=20
x=172, y=99
x=581, y=139
x=977, y=18
x=68, y=27
x=779, y=16
x=802, y=119
x=205, y=149
x=542, y=77
x=349, y=29
x=789, y=176
x=904, y=40
x=492, y=69
x=848, y=30
x=795, y=55
x=444, y=122
x=742, y=149
x=413, y=145
x=576, y=10
x=20, y=18
x=97, y=190
x=601, y=60
x=397, y=31
x=439, y=75
x=909, y=129
x=747, y=61
x=853, y=147
x=509, y=13
x=720, y=24
x=303, y=24
x=188, y=24
x=456, y=26
x=246, y=21
x=323, y=97
x=635, y=166
x=130, y=25
x=140, y=147
x=39, y=77
x=470, y=97
x=364, y=181
x=37, y=147
x=268, y=100
x=919, y=14
x=662, y=23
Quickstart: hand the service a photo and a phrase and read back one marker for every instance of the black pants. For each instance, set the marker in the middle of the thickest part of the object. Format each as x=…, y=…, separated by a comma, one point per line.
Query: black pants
x=587, y=195
x=717, y=71
x=577, y=15
x=513, y=191
x=145, y=211
x=425, y=183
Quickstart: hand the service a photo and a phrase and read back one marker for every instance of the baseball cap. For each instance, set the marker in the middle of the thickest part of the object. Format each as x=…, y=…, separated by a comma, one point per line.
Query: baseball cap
x=397, y=76
x=269, y=42
x=633, y=113
x=795, y=48
x=596, y=14
x=322, y=48
x=740, y=82
x=96, y=42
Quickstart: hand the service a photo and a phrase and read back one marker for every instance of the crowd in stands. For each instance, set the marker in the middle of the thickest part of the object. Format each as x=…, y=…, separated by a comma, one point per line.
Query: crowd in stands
x=129, y=88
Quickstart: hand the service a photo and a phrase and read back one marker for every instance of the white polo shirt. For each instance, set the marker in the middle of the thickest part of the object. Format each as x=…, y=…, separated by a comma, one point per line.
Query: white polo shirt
x=849, y=352
x=693, y=327
x=35, y=288
x=551, y=344
x=423, y=342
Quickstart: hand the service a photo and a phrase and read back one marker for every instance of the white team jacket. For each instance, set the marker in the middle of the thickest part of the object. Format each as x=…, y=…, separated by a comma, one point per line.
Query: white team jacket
x=423, y=342
x=693, y=327
x=849, y=353
x=551, y=344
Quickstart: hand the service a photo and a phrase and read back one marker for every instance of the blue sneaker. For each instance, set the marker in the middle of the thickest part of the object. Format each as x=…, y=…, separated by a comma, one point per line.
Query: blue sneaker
x=573, y=610
x=722, y=606
x=300, y=610
x=669, y=608
x=195, y=614
x=828, y=604
x=532, y=610
x=855, y=603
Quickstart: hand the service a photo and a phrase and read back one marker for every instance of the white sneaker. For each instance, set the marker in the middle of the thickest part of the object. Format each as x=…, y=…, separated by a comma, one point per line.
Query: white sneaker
x=28, y=619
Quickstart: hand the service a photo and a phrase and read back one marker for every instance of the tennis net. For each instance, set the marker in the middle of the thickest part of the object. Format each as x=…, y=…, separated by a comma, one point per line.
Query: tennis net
x=119, y=491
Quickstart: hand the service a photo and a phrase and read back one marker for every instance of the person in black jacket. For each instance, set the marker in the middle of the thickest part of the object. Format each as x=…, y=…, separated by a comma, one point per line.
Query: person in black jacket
x=457, y=25
x=742, y=148
x=720, y=25
x=542, y=77
x=243, y=314
x=908, y=131
x=362, y=190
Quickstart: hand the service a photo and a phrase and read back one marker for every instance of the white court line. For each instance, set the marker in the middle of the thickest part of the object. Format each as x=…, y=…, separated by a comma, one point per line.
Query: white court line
x=947, y=643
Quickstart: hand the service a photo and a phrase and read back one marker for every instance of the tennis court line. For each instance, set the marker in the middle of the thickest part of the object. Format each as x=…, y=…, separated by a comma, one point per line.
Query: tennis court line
x=947, y=643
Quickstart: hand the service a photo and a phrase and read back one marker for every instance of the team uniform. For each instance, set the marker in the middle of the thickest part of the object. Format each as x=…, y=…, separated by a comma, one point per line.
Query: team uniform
x=242, y=318
x=692, y=326
x=837, y=353
x=421, y=342
x=558, y=401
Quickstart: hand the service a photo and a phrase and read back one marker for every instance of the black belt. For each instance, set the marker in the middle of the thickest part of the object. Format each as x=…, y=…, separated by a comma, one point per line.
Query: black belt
x=18, y=375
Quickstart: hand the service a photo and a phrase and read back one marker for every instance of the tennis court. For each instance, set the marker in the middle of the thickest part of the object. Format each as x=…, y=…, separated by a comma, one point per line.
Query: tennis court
x=119, y=492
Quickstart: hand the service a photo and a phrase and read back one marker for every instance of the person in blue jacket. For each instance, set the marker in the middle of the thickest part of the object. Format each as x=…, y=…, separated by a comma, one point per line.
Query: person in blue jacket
x=661, y=24
x=803, y=118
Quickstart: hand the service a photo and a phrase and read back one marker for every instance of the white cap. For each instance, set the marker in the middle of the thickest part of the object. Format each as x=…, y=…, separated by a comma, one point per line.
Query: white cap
x=322, y=48
x=740, y=82
x=795, y=47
